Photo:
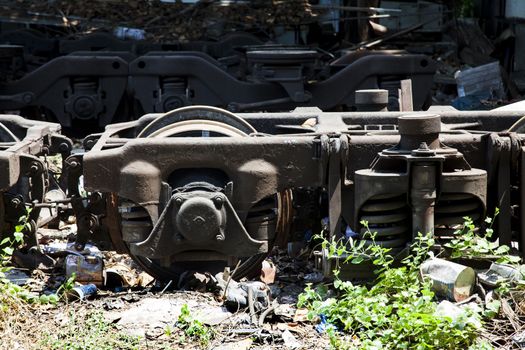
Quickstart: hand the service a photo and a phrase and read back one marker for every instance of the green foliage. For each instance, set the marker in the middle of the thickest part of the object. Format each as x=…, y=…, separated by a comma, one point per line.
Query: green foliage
x=192, y=328
x=10, y=292
x=91, y=332
x=67, y=286
x=398, y=312
x=468, y=243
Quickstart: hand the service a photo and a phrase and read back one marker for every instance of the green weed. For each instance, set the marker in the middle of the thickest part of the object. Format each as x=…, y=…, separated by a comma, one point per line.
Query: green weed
x=468, y=243
x=191, y=328
x=397, y=312
x=90, y=332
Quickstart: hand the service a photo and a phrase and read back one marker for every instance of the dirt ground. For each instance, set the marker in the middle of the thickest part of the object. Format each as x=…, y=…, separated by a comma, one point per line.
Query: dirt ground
x=146, y=314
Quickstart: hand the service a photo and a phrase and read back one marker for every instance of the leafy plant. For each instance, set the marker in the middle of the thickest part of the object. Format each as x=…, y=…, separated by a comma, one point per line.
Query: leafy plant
x=468, y=243
x=67, y=286
x=192, y=327
x=9, y=292
x=398, y=312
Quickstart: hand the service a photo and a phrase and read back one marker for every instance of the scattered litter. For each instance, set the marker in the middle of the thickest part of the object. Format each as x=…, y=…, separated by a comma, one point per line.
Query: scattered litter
x=292, y=327
x=33, y=259
x=119, y=275
x=116, y=304
x=459, y=315
x=498, y=273
x=519, y=339
x=295, y=248
x=130, y=33
x=148, y=313
x=237, y=293
x=145, y=279
x=196, y=281
x=449, y=279
x=482, y=79
x=290, y=341
x=82, y=292
x=285, y=311
x=16, y=276
x=314, y=277
x=323, y=324
x=301, y=315
x=212, y=315
x=64, y=248
x=86, y=268
x=268, y=271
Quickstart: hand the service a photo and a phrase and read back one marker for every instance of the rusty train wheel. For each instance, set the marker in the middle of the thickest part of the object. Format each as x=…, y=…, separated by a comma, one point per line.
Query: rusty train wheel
x=208, y=121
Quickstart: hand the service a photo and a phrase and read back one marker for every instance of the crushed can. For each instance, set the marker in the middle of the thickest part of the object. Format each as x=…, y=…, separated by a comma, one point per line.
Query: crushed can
x=88, y=268
x=451, y=280
x=82, y=292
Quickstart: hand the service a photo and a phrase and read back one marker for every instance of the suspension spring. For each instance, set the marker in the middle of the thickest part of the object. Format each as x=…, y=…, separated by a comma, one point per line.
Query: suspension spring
x=261, y=220
x=174, y=85
x=388, y=217
x=450, y=211
x=135, y=222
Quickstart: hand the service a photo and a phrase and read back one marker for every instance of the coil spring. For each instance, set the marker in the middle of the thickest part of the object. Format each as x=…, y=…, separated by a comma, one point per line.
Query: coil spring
x=174, y=85
x=85, y=83
x=388, y=216
x=450, y=212
x=135, y=222
x=261, y=219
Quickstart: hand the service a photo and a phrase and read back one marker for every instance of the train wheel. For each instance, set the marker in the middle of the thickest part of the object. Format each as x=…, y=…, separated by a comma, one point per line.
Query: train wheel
x=196, y=121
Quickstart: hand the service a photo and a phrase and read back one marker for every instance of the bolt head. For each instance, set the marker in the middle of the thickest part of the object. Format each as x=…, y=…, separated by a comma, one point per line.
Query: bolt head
x=90, y=143
x=63, y=147
x=218, y=201
x=34, y=167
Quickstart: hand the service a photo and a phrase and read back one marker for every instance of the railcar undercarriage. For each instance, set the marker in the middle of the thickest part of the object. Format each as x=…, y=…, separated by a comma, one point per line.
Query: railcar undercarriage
x=25, y=176
x=86, y=90
x=200, y=188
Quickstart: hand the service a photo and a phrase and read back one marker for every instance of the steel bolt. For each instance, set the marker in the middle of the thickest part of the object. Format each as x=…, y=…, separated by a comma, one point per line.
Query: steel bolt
x=90, y=144
x=218, y=201
x=16, y=202
x=178, y=201
x=27, y=98
x=220, y=237
x=63, y=147
x=34, y=167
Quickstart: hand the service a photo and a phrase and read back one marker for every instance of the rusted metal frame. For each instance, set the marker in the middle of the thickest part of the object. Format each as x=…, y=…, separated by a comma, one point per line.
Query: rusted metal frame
x=266, y=167
x=206, y=79
x=35, y=142
x=405, y=96
x=498, y=166
x=41, y=79
x=503, y=221
x=261, y=160
x=45, y=86
x=21, y=160
x=488, y=120
x=522, y=202
x=335, y=188
x=88, y=211
x=112, y=222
